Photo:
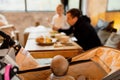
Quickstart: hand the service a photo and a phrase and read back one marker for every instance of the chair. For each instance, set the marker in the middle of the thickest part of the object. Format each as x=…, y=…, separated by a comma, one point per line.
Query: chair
x=106, y=57
x=11, y=31
x=104, y=30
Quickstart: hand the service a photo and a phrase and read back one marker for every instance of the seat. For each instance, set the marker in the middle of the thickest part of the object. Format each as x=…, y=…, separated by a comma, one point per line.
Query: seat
x=104, y=30
x=106, y=57
x=11, y=31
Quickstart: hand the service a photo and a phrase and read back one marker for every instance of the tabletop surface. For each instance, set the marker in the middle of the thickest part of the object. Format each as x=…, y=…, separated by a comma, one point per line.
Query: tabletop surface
x=32, y=45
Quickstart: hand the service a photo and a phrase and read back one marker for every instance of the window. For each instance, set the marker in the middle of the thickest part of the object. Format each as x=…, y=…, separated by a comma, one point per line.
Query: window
x=113, y=5
x=74, y=4
x=42, y=5
x=33, y=5
x=12, y=5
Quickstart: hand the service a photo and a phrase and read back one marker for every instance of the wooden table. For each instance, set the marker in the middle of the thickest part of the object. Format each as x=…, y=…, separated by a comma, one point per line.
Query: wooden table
x=37, y=51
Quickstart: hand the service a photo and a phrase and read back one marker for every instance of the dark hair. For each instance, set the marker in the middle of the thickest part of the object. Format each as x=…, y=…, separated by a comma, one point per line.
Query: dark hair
x=75, y=12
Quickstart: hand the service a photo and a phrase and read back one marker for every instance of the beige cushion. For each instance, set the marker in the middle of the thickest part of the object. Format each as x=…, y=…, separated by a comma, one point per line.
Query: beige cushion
x=113, y=40
x=103, y=35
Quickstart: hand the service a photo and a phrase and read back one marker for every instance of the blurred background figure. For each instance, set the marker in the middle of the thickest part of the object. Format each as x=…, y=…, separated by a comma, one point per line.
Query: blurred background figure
x=8, y=28
x=65, y=4
x=59, y=19
x=3, y=20
x=59, y=68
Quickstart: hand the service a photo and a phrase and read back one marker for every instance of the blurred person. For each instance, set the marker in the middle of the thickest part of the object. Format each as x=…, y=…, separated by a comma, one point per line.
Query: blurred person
x=9, y=29
x=59, y=19
x=3, y=20
x=59, y=67
x=81, y=29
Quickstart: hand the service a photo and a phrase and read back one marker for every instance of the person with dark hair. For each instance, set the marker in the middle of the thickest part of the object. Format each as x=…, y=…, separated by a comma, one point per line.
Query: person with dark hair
x=81, y=29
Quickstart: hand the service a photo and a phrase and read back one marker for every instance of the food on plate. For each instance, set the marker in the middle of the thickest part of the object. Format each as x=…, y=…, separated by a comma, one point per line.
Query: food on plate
x=52, y=33
x=48, y=40
x=40, y=39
